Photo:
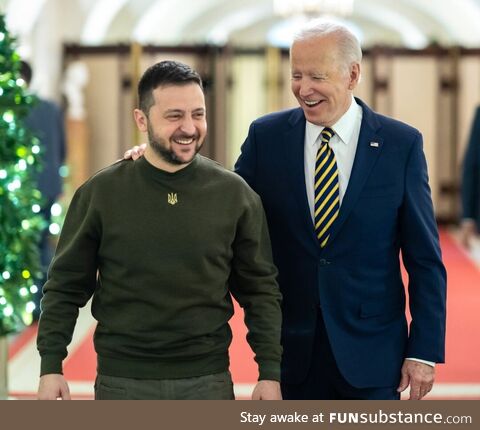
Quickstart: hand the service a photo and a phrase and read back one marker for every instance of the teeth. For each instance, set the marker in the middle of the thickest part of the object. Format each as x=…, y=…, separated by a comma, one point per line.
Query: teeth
x=184, y=141
x=311, y=103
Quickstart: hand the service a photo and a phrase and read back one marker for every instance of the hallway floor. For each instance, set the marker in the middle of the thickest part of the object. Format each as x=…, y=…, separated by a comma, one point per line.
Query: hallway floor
x=459, y=378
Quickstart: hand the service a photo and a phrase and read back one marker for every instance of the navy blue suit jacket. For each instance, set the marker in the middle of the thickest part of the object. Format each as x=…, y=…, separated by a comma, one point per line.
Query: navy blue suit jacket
x=356, y=278
x=471, y=174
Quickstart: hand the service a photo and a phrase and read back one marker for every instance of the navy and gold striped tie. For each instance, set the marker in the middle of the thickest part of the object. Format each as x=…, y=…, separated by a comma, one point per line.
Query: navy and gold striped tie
x=327, y=198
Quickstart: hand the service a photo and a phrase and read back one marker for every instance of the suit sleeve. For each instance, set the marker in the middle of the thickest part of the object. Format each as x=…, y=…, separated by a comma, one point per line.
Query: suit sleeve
x=71, y=282
x=253, y=284
x=422, y=258
x=471, y=173
x=246, y=164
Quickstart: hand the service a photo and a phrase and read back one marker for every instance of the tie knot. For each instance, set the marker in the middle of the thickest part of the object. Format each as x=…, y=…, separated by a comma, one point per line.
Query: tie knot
x=327, y=134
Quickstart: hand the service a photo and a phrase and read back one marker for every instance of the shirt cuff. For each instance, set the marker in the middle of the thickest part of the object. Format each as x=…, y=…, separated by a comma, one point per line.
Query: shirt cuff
x=430, y=363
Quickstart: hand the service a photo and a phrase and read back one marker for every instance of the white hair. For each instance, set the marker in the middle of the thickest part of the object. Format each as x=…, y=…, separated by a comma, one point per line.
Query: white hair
x=349, y=50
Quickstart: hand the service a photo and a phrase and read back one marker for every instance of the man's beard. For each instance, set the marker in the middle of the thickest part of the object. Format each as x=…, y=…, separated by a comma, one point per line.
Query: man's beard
x=168, y=155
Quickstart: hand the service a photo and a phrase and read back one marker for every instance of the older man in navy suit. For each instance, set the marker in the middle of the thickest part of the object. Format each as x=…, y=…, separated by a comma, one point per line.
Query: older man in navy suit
x=346, y=191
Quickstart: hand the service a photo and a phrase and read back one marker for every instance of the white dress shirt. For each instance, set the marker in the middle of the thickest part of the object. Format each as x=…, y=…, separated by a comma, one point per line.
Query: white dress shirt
x=344, y=145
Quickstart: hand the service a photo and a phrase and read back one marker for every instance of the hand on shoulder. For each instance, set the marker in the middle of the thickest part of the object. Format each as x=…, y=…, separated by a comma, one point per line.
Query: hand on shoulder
x=135, y=153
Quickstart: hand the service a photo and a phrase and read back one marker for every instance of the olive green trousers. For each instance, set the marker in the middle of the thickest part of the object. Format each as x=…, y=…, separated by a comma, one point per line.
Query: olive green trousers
x=218, y=386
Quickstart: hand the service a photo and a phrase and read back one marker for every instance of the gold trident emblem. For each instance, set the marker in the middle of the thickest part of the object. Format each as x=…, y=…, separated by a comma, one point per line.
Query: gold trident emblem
x=172, y=198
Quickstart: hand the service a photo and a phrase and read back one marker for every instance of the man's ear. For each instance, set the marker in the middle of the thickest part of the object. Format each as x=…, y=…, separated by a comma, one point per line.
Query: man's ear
x=354, y=75
x=140, y=120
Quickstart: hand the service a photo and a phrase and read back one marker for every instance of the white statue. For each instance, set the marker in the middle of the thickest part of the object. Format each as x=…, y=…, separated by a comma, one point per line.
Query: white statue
x=76, y=78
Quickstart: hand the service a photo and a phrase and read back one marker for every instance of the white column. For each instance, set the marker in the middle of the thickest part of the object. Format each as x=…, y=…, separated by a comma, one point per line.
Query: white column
x=46, y=51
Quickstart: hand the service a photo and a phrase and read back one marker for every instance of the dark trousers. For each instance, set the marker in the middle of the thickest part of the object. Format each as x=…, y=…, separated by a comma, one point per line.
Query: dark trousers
x=217, y=386
x=324, y=380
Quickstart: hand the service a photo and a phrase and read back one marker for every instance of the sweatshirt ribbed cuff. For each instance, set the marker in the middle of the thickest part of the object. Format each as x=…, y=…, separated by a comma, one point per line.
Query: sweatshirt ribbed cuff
x=51, y=364
x=269, y=370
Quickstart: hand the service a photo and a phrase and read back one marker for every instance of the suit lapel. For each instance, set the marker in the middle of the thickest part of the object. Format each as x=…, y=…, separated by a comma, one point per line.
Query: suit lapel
x=293, y=144
x=368, y=150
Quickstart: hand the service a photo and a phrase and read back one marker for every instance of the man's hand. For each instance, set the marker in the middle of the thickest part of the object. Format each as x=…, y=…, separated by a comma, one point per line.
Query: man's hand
x=52, y=387
x=468, y=230
x=267, y=390
x=420, y=376
x=135, y=152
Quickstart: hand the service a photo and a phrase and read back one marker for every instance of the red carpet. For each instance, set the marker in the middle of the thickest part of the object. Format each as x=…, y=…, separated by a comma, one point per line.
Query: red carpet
x=463, y=325
x=463, y=328
x=463, y=316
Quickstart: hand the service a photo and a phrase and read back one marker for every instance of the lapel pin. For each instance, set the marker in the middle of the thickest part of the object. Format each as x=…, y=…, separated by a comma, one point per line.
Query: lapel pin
x=374, y=144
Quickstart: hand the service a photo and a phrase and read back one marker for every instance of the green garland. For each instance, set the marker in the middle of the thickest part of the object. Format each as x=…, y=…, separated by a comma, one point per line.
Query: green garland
x=20, y=224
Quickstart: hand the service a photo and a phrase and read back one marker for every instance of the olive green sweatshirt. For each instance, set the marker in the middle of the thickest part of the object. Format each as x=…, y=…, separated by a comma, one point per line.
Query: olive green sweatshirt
x=162, y=253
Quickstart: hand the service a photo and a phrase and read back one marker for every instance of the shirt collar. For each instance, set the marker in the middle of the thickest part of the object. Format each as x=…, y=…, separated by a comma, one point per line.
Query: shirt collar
x=343, y=128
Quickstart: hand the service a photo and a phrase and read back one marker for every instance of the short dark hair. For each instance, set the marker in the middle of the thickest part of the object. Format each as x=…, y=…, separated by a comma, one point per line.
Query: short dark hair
x=25, y=72
x=161, y=74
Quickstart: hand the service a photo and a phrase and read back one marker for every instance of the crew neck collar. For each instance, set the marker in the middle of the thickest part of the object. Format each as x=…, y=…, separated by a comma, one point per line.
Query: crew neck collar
x=156, y=173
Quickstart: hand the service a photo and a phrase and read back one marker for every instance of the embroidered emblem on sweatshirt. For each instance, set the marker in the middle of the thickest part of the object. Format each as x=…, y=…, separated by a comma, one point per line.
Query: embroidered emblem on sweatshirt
x=172, y=198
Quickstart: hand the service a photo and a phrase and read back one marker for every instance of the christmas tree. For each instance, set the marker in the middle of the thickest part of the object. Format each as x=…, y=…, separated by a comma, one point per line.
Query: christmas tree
x=20, y=201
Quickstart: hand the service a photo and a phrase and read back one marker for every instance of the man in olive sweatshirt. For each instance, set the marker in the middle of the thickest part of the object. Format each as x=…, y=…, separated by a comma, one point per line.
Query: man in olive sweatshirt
x=161, y=244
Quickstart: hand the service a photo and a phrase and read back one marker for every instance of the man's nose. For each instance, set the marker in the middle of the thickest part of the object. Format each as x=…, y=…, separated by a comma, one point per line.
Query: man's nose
x=188, y=126
x=305, y=88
